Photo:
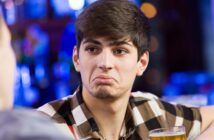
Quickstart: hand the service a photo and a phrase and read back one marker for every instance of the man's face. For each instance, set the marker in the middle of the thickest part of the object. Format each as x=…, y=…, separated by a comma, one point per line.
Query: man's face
x=108, y=68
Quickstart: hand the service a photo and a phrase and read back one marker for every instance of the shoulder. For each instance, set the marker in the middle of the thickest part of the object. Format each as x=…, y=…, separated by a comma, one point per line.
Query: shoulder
x=52, y=108
x=146, y=101
x=20, y=122
x=144, y=95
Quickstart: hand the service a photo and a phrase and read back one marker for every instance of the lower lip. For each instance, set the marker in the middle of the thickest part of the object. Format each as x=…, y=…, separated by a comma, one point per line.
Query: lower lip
x=104, y=81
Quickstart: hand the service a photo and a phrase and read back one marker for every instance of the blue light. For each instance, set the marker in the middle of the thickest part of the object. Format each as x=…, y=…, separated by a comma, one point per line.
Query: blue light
x=31, y=96
x=76, y=4
x=1, y=11
x=17, y=76
x=35, y=8
x=62, y=90
x=211, y=97
x=60, y=8
x=10, y=16
x=25, y=75
x=137, y=2
x=62, y=70
x=171, y=90
x=40, y=72
x=91, y=1
x=201, y=78
x=179, y=78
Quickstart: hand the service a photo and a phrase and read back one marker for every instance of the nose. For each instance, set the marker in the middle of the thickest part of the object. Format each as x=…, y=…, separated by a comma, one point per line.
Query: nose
x=105, y=60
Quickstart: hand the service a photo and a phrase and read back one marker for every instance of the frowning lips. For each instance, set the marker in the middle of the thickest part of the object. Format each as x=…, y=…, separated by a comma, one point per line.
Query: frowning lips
x=104, y=79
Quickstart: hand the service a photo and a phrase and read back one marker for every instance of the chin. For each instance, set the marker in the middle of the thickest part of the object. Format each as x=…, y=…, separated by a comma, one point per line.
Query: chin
x=104, y=93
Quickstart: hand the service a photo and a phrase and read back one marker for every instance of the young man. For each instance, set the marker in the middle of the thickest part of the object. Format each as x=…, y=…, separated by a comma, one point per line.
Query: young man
x=112, y=49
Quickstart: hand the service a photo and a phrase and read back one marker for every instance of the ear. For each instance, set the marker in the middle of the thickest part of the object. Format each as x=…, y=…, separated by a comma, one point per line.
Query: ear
x=143, y=63
x=75, y=59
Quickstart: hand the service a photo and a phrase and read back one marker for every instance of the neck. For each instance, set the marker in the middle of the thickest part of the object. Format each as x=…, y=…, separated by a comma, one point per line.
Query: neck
x=109, y=114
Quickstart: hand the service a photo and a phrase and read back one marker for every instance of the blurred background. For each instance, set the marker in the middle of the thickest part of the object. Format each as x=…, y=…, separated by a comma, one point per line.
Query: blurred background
x=181, y=65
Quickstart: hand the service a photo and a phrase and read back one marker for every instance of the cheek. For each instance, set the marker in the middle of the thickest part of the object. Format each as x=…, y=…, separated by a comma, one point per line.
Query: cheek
x=86, y=70
x=129, y=70
x=130, y=65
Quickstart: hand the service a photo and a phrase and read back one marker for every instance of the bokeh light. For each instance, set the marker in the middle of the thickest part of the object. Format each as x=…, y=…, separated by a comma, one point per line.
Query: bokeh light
x=148, y=9
x=76, y=4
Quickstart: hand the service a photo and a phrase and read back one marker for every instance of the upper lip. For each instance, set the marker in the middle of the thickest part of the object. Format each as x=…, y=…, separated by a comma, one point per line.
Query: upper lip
x=104, y=77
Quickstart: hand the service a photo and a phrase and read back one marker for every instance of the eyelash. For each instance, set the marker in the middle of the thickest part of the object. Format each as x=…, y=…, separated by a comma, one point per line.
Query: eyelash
x=121, y=50
x=116, y=51
x=92, y=50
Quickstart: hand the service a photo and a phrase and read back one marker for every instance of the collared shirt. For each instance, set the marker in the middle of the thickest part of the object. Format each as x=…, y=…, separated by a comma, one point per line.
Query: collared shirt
x=145, y=112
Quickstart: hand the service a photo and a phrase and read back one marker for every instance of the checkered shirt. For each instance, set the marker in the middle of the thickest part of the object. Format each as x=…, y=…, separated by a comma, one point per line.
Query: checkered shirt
x=145, y=112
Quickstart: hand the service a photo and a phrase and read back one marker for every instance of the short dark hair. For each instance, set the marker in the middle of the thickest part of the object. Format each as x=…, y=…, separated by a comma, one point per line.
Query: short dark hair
x=114, y=19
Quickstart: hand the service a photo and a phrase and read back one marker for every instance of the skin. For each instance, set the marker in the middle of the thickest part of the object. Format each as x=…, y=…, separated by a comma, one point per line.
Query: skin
x=111, y=69
x=108, y=70
x=207, y=115
x=7, y=67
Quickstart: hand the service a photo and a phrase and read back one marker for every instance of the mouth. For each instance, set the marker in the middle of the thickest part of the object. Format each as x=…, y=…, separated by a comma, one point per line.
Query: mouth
x=104, y=80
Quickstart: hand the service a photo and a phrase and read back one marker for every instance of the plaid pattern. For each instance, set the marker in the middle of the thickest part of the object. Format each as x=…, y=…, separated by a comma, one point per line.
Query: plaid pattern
x=144, y=113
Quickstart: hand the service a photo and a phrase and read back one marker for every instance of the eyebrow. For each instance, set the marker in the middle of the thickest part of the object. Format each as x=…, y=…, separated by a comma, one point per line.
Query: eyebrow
x=88, y=40
x=111, y=43
x=119, y=42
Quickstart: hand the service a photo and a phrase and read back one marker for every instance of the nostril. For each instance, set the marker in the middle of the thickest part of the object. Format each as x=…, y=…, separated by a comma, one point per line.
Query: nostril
x=105, y=67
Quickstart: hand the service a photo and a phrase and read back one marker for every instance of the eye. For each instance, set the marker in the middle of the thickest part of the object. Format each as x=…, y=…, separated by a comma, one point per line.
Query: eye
x=120, y=51
x=92, y=50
